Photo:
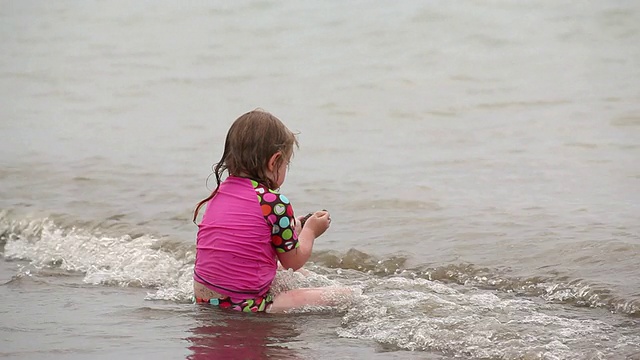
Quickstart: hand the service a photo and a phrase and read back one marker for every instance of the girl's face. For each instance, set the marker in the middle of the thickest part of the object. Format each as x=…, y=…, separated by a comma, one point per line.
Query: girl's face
x=279, y=171
x=282, y=173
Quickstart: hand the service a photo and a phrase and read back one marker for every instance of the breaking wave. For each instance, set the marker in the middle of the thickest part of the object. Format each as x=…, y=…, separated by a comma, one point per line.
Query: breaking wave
x=166, y=265
x=458, y=310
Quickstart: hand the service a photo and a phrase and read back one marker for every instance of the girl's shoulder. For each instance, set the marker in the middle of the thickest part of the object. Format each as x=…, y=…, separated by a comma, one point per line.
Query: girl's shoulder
x=269, y=196
x=262, y=188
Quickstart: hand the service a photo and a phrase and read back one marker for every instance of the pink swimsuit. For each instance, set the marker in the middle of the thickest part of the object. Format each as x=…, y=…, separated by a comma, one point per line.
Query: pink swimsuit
x=244, y=226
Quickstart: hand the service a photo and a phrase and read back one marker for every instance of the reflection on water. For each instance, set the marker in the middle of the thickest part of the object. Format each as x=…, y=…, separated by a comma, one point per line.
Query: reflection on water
x=230, y=335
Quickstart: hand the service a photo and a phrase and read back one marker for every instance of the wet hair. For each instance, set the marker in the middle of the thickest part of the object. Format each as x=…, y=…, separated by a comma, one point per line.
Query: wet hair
x=251, y=141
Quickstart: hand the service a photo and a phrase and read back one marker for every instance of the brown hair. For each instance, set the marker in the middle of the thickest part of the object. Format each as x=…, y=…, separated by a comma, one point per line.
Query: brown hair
x=251, y=141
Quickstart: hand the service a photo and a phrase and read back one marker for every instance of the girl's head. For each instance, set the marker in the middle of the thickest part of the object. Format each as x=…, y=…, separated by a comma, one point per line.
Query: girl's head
x=258, y=146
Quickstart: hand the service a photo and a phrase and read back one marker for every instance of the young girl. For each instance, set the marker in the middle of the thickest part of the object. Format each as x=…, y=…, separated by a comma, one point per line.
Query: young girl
x=248, y=226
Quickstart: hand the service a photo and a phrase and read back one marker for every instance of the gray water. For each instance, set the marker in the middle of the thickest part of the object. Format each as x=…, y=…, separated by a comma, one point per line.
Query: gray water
x=480, y=161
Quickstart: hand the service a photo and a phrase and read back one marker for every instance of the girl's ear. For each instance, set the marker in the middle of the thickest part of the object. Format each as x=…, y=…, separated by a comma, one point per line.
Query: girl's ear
x=271, y=165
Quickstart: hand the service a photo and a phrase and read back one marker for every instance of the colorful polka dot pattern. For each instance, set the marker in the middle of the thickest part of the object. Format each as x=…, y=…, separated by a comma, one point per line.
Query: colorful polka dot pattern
x=258, y=304
x=278, y=211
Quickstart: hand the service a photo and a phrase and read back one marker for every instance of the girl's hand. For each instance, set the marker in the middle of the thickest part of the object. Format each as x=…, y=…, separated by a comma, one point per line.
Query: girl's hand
x=318, y=223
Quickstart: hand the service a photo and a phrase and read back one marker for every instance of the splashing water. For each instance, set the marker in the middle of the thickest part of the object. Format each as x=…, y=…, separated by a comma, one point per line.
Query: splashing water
x=458, y=311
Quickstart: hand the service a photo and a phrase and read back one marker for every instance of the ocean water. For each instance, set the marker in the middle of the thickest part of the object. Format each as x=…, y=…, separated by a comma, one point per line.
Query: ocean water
x=481, y=162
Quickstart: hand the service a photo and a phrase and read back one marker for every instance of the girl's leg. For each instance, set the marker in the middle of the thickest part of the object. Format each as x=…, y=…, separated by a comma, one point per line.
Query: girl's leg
x=298, y=298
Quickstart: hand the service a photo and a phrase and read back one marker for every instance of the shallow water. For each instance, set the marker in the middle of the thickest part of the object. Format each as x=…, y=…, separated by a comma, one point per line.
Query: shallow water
x=480, y=162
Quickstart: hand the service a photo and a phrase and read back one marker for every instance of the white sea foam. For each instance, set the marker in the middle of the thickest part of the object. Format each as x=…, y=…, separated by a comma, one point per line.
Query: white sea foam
x=407, y=314
x=108, y=260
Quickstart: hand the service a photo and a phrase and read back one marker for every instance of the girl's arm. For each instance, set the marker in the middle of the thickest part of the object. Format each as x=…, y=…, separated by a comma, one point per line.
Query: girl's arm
x=315, y=226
